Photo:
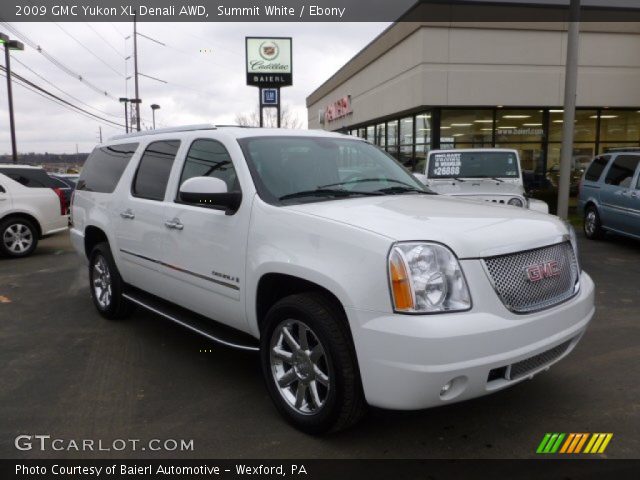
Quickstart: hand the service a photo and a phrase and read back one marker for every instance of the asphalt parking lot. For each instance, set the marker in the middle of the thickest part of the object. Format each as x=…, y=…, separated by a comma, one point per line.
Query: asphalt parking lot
x=66, y=372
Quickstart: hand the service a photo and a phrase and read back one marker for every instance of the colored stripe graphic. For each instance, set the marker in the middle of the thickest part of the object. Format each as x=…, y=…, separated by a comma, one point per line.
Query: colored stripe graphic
x=574, y=443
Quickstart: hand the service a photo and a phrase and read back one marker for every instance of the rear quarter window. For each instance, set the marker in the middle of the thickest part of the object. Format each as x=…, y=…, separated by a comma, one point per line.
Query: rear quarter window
x=29, y=177
x=594, y=172
x=104, y=167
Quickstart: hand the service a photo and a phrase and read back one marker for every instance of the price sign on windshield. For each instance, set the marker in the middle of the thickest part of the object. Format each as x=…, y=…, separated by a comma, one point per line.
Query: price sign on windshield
x=447, y=164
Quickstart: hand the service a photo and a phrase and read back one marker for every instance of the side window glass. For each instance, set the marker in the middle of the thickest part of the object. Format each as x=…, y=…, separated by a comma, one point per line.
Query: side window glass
x=622, y=170
x=153, y=172
x=209, y=158
x=104, y=167
x=596, y=168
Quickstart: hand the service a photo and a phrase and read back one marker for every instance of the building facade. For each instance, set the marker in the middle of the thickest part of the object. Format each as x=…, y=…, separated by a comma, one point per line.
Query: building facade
x=421, y=86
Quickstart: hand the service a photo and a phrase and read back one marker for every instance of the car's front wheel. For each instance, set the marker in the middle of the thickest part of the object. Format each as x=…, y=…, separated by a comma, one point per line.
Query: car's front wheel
x=592, y=226
x=310, y=365
x=107, y=287
x=19, y=237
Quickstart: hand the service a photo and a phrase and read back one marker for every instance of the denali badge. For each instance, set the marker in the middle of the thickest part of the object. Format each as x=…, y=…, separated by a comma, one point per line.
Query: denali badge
x=538, y=272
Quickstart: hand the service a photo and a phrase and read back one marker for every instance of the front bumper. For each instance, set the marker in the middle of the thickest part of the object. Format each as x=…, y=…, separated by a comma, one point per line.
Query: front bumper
x=405, y=360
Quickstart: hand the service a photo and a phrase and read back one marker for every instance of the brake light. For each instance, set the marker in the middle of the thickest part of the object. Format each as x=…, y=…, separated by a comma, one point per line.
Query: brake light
x=63, y=201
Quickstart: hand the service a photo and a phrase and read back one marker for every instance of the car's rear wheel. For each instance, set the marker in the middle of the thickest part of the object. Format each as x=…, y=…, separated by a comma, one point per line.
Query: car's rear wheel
x=592, y=226
x=106, y=285
x=310, y=365
x=19, y=237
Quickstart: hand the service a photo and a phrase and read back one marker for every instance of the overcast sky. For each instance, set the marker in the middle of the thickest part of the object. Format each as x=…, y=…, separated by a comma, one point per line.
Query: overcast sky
x=207, y=86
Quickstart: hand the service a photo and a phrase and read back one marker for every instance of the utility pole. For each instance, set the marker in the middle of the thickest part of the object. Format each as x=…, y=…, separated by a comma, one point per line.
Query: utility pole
x=570, y=94
x=8, y=46
x=125, y=100
x=100, y=133
x=135, y=67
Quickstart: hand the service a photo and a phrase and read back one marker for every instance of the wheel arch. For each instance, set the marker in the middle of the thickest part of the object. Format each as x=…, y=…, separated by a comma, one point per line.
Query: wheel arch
x=26, y=216
x=93, y=235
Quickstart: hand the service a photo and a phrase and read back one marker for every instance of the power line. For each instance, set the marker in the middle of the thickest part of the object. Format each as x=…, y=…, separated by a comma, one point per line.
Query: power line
x=105, y=40
x=88, y=50
x=55, y=61
x=54, y=96
x=61, y=90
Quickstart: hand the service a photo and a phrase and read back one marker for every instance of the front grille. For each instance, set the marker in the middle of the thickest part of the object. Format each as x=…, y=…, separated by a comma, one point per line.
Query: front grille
x=519, y=294
x=528, y=365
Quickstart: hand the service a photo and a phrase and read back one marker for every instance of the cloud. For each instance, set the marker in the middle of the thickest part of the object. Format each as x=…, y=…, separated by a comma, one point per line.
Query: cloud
x=202, y=63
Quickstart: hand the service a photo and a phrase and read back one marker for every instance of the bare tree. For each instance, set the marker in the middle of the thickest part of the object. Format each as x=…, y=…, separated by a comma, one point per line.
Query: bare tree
x=288, y=119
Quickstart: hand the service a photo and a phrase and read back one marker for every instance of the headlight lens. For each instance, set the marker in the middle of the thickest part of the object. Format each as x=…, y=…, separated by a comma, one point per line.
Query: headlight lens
x=574, y=243
x=516, y=202
x=426, y=278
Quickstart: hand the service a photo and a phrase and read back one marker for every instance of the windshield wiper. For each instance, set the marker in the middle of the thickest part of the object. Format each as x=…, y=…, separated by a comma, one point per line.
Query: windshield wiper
x=327, y=192
x=401, y=189
x=361, y=180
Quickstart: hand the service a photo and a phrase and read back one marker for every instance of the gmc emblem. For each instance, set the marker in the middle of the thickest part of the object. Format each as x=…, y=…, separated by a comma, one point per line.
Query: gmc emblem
x=536, y=273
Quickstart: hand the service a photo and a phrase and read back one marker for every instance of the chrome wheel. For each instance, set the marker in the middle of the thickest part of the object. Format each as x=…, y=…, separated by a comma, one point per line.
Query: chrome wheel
x=299, y=367
x=17, y=238
x=101, y=281
x=590, y=222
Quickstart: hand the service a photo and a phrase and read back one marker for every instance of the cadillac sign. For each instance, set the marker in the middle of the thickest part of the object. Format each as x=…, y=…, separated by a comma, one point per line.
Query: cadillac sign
x=269, y=62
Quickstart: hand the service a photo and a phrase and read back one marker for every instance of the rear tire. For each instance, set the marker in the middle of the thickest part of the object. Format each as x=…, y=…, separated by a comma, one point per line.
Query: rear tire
x=106, y=284
x=18, y=237
x=309, y=364
x=592, y=226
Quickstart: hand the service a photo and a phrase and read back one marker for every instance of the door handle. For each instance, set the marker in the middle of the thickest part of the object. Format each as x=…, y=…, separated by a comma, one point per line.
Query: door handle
x=128, y=214
x=174, y=224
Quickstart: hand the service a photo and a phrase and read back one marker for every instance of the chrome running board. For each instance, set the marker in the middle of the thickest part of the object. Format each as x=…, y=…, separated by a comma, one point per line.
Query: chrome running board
x=196, y=323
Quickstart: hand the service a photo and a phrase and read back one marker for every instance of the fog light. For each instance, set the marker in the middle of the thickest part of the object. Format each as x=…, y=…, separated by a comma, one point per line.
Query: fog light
x=447, y=386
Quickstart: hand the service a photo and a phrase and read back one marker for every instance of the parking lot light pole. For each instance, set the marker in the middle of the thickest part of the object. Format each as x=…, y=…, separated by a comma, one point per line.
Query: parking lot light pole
x=570, y=93
x=126, y=113
x=11, y=45
x=154, y=107
x=136, y=102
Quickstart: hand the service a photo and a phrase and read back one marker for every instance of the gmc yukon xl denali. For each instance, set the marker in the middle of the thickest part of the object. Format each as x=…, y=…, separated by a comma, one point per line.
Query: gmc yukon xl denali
x=355, y=283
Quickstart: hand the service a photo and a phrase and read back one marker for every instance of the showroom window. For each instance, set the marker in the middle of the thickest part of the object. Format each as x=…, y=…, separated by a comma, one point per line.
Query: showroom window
x=392, y=138
x=371, y=133
x=469, y=127
x=406, y=142
x=423, y=141
x=381, y=135
x=522, y=130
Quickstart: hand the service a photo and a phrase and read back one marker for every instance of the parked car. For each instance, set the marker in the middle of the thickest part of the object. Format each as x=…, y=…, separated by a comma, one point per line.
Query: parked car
x=490, y=175
x=66, y=184
x=31, y=207
x=356, y=285
x=610, y=195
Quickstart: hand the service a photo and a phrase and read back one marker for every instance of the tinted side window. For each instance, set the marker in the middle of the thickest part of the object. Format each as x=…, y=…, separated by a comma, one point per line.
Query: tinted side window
x=209, y=158
x=154, y=169
x=596, y=168
x=622, y=170
x=29, y=177
x=104, y=167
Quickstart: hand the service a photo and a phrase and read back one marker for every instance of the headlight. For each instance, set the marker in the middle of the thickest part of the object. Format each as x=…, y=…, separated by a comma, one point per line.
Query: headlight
x=426, y=278
x=574, y=242
x=516, y=202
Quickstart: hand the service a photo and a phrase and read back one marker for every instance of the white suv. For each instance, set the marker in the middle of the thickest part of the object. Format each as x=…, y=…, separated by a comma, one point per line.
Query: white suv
x=356, y=284
x=31, y=207
x=485, y=174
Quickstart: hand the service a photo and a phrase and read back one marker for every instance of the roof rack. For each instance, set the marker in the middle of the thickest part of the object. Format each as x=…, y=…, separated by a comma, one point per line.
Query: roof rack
x=184, y=128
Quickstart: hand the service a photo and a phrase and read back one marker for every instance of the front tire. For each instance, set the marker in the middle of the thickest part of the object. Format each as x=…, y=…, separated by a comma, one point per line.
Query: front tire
x=18, y=237
x=592, y=225
x=309, y=364
x=106, y=284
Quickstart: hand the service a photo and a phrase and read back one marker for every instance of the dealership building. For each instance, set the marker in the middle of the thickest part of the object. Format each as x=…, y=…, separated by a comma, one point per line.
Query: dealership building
x=422, y=86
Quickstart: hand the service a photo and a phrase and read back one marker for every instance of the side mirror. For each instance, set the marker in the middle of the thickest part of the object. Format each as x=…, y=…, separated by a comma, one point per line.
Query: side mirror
x=210, y=192
x=422, y=177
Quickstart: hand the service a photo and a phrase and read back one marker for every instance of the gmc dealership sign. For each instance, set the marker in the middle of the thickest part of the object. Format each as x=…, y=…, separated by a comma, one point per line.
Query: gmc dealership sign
x=338, y=109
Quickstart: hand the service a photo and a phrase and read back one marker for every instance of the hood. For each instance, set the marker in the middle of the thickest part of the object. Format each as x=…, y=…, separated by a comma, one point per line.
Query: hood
x=469, y=228
x=476, y=187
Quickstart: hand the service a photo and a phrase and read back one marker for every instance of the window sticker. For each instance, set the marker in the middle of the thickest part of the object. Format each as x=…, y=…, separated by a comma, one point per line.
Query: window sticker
x=447, y=164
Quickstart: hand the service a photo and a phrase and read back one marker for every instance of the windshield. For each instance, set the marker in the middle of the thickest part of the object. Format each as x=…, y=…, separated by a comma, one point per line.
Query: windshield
x=311, y=169
x=480, y=164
